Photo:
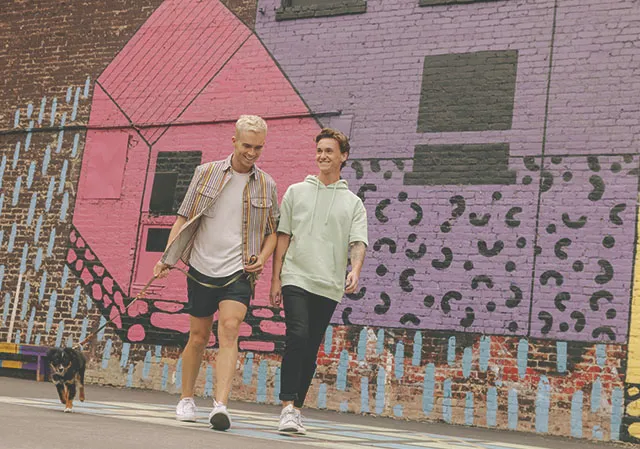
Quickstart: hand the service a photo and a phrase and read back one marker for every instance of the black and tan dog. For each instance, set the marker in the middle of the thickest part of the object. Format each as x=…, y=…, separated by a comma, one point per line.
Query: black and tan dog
x=66, y=371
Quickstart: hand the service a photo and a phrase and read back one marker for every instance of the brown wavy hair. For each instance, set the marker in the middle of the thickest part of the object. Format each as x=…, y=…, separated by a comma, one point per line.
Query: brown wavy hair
x=343, y=141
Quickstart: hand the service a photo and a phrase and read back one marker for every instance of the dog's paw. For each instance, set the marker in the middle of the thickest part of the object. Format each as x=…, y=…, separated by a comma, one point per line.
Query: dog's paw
x=68, y=410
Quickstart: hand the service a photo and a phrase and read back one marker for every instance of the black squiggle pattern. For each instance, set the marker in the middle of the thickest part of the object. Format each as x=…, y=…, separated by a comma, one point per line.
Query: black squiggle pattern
x=385, y=241
x=448, y=258
x=607, y=274
x=574, y=224
x=382, y=218
x=411, y=254
x=598, y=188
x=481, y=279
x=410, y=318
x=594, y=163
x=475, y=221
x=357, y=296
x=469, y=318
x=366, y=188
x=383, y=308
x=530, y=164
x=614, y=216
x=460, y=206
x=357, y=166
x=560, y=299
x=544, y=278
x=597, y=332
x=345, y=315
x=597, y=296
x=510, y=219
x=444, y=303
x=547, y=181
x=548, y=321
x=517, y=298
x=580, y=320
x=562, y=243
x=418, y=210
x=494, y=251
x=405, y=283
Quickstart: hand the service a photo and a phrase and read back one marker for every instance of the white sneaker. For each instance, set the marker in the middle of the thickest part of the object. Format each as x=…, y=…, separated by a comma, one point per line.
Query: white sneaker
x=288, y=420
x=186, y=410
x=219, y=416
x=301, y=429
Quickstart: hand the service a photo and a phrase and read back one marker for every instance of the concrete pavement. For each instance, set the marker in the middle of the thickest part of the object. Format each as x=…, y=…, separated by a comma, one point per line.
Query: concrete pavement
x=32, y=418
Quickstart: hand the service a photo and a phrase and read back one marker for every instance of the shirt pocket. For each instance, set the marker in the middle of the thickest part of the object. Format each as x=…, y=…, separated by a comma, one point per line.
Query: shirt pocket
x=261, y=202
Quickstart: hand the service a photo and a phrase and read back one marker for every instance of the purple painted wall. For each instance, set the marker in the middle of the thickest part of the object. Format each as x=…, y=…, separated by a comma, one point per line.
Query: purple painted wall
x=571, y=147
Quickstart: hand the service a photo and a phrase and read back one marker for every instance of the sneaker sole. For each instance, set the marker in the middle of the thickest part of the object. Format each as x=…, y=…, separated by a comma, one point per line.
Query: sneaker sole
x=288, y=430
x=186, y=419
x=220, y=421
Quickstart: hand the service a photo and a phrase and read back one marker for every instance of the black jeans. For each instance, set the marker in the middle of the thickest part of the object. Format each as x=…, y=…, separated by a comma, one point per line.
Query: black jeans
x=307, y=317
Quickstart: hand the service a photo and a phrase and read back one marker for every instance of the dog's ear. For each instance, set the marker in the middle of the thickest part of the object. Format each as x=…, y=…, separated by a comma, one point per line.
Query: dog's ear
x=70, y=353
x=50, y=353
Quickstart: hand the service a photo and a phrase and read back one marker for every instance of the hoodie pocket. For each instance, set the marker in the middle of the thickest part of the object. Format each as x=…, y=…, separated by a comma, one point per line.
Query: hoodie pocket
x=314, y=258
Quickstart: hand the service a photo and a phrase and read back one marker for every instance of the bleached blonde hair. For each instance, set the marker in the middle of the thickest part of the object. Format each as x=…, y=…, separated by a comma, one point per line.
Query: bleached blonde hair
x=251, y=123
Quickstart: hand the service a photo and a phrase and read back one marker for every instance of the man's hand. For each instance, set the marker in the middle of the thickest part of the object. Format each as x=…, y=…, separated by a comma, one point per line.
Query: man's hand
x=275, y=296
x=161, y=270
x=352, y=282
x=255, y=267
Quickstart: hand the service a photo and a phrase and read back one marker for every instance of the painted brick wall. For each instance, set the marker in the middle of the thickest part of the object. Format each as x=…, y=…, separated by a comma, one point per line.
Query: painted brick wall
x=493, y=146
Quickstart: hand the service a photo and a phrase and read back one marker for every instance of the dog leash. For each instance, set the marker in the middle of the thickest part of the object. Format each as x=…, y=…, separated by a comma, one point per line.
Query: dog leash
x=252, y=280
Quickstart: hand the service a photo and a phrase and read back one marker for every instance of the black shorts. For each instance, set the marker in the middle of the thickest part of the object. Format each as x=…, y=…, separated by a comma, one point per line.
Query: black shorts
x=204, y=301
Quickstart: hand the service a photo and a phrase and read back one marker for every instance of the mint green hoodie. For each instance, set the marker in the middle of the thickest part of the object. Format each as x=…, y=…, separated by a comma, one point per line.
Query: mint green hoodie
x=322, y=221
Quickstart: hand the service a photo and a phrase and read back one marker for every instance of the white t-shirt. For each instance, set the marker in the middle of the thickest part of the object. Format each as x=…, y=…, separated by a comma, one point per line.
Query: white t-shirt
x=217, y=248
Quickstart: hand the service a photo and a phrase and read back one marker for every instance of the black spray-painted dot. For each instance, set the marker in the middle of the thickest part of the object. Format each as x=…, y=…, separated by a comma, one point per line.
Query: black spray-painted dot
x=497, y=196
x=469, y=317
x=608, y=241
x=510, y=266
x=567, y=176
x=387, y=175
x=381, y=270
x=375, y=166
x=551, y=229
x=402, y=196
x=634, y=172
x=598, y=188
x=594, y=163
x=578, y=266
x=564, y=327
x=513, y=326
x=616, y=167
x=491, y=306
x=399, y=163
x=546, y=317
x=571, y=224
x=537, y=250
x=611, y=313
x=412, y=238
x=429, y=301
x=527, y=180
x=521, y=243
x=445, y=227
x=556, y=160
x=468, y=265
x=628, y=158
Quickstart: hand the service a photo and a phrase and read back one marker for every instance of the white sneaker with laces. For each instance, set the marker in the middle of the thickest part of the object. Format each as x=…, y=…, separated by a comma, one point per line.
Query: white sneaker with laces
x=288, y=420
x=186, y=410
x=301, y=429
x=219, y=416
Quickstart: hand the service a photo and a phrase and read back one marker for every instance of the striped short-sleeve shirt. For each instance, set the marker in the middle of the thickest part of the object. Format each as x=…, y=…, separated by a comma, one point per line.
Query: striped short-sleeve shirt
x=260, y=212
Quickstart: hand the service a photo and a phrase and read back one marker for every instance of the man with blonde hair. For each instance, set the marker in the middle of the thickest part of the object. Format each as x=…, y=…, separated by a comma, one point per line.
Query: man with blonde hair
x=224, y=232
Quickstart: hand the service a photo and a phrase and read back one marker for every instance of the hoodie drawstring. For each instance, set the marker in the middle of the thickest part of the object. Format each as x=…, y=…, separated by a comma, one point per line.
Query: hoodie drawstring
x=313, y=214
x=333, y=197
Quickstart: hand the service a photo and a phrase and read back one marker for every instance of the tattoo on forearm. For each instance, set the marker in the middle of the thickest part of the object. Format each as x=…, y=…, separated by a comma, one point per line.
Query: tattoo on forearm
x=357, y=252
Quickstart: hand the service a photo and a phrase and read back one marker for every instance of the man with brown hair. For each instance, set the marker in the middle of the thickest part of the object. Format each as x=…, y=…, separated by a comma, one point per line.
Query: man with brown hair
x=225, y=231
x=321, y=222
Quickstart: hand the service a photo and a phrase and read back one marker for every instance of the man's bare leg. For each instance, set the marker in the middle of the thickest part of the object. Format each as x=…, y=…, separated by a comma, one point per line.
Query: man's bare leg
x=199, y=333
x=232, y=314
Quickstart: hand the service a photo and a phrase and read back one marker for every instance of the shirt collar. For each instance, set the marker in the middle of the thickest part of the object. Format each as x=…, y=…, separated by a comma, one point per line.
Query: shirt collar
x=226, y=166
